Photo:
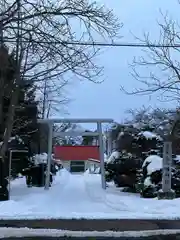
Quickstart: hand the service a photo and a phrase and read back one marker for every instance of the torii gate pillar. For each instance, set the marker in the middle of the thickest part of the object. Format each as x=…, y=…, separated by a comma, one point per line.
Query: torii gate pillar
x=99, y=133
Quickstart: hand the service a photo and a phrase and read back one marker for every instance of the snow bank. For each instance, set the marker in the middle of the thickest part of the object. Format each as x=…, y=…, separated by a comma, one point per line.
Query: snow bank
x=155, y=163
x=114, y=155
x=29, y=232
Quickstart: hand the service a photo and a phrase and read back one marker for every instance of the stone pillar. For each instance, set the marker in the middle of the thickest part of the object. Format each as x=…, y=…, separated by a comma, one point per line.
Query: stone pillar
x=166, y=192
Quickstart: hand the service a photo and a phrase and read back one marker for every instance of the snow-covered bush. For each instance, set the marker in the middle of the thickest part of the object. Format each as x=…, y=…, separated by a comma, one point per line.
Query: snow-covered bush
x=122, y=167
x=40, y=158
x=152, y=176
x=124, y=164
x=109, y=166
x=151, y=181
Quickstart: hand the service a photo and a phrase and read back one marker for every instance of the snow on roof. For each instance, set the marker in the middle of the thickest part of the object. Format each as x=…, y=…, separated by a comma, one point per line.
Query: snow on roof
x=149, y=135
x=114, y=155
x=155, y=163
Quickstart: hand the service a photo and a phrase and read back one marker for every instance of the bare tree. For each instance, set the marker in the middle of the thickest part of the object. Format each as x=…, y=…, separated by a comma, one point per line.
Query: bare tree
x=161, y=64
x=52, y=99
x=158, y=120
x=38, y=32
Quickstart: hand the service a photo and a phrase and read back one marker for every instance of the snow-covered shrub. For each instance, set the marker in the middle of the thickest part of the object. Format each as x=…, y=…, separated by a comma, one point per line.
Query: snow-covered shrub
x=152, y=176
x=109, y=166
x=151, y=181
x=121, y=168
x=39, y=158
x=42, y=159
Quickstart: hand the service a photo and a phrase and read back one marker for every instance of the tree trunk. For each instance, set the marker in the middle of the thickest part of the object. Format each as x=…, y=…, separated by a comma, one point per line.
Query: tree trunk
x=3, y=70
x=10, y=120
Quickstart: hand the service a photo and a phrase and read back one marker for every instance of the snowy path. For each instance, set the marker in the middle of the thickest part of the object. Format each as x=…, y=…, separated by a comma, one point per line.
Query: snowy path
x=81, y=196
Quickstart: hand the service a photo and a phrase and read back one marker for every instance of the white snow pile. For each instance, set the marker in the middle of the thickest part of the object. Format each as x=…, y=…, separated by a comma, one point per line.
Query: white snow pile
x=155, y=163
x=114, y=155
x=29, y=232
x=149, y=135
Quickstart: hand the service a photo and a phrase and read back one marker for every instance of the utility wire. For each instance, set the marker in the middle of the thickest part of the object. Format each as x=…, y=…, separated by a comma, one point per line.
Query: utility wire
x=101, y=44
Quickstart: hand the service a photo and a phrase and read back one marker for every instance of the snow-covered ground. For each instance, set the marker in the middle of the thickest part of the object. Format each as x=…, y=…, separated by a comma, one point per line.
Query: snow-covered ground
x=26, y=232
x=81, y=196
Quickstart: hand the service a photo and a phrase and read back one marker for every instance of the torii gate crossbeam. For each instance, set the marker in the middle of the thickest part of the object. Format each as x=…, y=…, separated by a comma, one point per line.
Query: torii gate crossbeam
x=98, y=121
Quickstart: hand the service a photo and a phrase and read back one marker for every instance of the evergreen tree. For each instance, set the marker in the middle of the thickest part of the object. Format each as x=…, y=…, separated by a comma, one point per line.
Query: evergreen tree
x=134, y=145
x=25, y=124
x=25, y=121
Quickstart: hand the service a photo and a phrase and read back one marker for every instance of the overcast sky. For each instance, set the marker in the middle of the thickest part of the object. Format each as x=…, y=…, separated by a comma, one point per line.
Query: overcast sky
x=106, y=100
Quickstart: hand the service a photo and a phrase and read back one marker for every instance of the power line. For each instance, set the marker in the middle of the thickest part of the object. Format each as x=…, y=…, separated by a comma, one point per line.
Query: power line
x=101, y=44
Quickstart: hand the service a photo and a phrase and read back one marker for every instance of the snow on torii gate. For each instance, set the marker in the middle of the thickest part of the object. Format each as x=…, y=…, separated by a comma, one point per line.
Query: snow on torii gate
x=98, y=121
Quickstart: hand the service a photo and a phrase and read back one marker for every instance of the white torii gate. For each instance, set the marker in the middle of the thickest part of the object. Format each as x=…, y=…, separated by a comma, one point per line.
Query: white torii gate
x=98, y=121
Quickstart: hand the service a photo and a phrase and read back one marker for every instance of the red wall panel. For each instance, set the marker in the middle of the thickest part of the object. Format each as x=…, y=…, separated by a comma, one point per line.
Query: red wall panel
x=76, y=152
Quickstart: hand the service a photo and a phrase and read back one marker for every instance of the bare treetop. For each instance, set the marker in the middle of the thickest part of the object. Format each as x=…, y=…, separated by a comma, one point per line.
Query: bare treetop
x=36, y=31
x=44, y=23
x=160, y=64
